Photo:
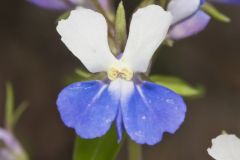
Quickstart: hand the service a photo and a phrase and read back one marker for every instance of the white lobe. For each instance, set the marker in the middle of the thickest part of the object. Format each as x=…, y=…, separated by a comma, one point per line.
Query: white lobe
x=84, y=32
x=225, y=147
x=181, y=9
x=148, y=29
x=121, y=89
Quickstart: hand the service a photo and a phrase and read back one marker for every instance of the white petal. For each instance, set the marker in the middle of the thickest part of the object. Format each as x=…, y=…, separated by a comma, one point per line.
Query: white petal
x=148, y=29
x=121, y=89
x=225, y=147
x=182, y=9
x=85, y=34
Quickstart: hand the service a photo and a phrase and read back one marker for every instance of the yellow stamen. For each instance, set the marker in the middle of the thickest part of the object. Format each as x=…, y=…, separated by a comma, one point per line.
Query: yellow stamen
x=120, y=71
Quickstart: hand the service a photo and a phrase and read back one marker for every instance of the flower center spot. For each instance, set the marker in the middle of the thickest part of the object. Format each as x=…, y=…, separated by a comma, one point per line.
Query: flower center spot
x=117, y=71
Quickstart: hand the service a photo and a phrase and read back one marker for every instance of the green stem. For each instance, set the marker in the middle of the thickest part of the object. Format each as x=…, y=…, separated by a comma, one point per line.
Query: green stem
x=212, y=11
x=23, y=156
x=134, y=151
x=9, y=106
x=163, y=3
x=110, y=20
x=101, y=10
x=145, y=3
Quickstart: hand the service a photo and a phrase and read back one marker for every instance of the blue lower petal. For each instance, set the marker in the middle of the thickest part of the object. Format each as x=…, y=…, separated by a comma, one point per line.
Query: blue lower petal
x=88, y=107
x=119, y=125
x=150, y=111
x=189, y=27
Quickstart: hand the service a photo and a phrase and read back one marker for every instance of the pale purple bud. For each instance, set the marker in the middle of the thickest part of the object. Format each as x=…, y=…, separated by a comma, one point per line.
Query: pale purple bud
x=10, y=148
x=190, y=26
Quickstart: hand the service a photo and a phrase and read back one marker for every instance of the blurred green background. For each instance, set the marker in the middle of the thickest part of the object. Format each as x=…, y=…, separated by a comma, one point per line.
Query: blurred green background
x=34, y=59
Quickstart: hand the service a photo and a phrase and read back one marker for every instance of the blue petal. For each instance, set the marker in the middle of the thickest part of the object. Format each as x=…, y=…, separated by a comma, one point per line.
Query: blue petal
x=202, y=2
x=191, y=26
x=119, y=125
x=52, y=4
x=226, y=1
x=150, y=111
x=88, y=107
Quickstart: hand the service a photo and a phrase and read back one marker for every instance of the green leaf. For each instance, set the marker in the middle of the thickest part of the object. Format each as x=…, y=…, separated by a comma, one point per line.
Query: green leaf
x=120, y=26
x=168, y=42
x=77, y=76
x=82, y=74
x=104, y=148
x=178, y=85
x=9, y=106
x=216, y=14
x=65, y=15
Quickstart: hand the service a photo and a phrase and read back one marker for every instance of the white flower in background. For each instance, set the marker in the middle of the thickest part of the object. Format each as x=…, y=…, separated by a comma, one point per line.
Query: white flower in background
x=225, y=147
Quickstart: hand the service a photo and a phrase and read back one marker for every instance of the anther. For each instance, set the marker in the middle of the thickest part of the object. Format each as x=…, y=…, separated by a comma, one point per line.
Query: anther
x=120, y=71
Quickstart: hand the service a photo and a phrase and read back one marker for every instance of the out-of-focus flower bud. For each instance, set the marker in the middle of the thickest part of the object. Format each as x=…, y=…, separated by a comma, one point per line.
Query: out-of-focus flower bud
x=10, y=148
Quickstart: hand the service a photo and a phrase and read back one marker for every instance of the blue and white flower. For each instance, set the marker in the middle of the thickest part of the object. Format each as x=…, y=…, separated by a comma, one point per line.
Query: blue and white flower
x=225, y=147
x=144, y=109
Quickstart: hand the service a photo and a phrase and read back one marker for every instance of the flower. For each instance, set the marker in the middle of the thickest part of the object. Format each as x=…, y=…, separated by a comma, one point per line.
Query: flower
x=144, y=109
x=194, y=20
x=225, y=147
x=68, y=4
x=191, y=19
x=10, y=148
x=57, y=4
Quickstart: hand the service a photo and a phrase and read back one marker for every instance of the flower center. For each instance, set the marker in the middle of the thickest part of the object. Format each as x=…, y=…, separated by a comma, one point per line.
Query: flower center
x=120, y=71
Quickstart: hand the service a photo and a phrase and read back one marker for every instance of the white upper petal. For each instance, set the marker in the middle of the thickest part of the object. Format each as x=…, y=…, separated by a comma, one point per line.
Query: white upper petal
x=148, y=29
x=182, y=9
x=225, y=147
x=84, y=32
